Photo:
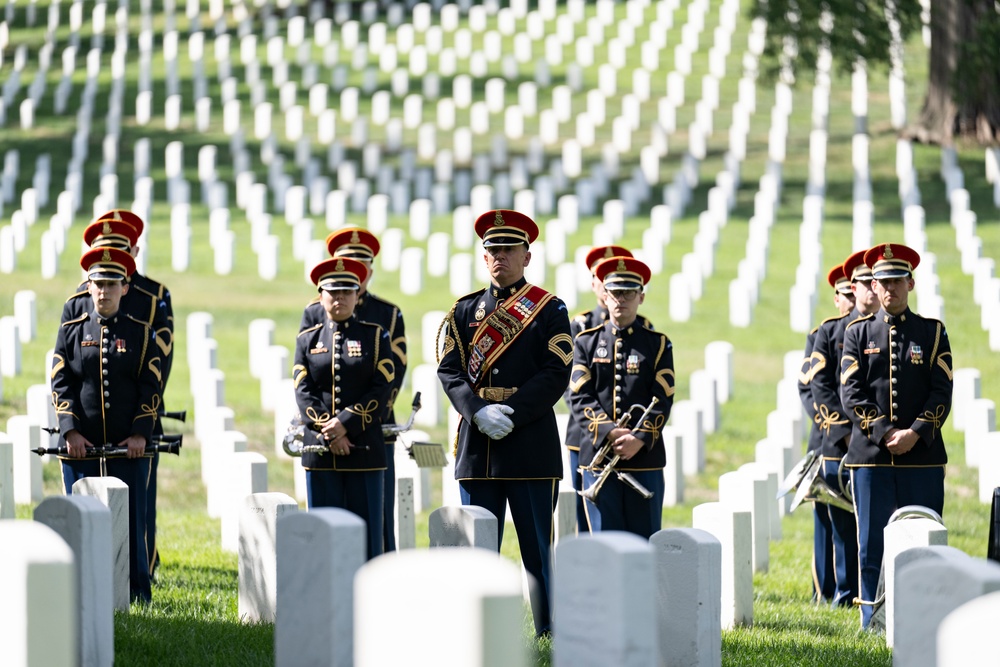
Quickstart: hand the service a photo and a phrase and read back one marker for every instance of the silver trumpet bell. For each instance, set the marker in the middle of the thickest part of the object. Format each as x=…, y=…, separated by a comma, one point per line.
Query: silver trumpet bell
x=814, y=488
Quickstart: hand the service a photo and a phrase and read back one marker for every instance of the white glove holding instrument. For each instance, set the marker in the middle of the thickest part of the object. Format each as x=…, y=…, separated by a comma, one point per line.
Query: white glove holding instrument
x=493, y=421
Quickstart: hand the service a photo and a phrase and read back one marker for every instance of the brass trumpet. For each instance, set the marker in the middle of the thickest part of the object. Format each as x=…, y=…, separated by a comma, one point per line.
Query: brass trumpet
x=590, y=493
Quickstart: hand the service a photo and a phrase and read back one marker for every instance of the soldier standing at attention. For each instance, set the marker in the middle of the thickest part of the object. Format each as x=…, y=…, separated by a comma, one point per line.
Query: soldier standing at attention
x=146, y=300
x=823, y=569
x=616, y=365
x=106, y=382
x=505, y=364
x=834, y=425
x=343, y=376
x=588, y=319
x=896, y=387
x=360, y=244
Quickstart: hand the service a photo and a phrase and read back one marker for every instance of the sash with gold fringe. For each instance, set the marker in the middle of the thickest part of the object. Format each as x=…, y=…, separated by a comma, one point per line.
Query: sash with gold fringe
x=502, y=328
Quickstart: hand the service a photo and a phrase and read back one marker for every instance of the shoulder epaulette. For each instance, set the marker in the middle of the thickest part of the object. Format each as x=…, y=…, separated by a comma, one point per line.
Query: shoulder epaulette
x=77, y=320
x=312, y=328
x=815, y=329
x=77, y=295
x=835, y=318
x=470, y=295
x=863, y=318
x=591, y=330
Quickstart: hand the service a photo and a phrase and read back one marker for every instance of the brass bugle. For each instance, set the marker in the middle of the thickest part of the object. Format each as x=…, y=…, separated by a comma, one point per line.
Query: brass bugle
x=590, y=493
x=396, y=429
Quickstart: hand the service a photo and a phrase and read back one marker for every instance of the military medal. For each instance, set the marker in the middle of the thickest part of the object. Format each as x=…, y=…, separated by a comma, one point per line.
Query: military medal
x=354, y=348
x=120, y=345
x=632, y=364
x=481, y=313
x=916, y=355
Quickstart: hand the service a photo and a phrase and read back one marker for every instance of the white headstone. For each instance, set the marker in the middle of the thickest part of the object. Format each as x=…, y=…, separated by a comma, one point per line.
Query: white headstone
x=719, y=362
x=6, y=477
x=479, y=590
x=688, y=567
x=113, y=494
x=928, y=589
x=967, y=635
x=85, y=524
x=673, y=471
x=685, y=417
x=258, y=568
x=733, y=530
x=742, y=491
x=966, y=388
x=463, y=526
x=901, y=535
x=39, y=581
x=247, y=476
x=604, y=601
x=318, y=555
x=10, y=347
x=980, y=419
x=26, y=436
x=24, y=314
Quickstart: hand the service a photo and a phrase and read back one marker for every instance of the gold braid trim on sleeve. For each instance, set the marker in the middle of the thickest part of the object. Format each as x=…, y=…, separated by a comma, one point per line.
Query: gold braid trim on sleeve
x=594, y=419
x=365, y=412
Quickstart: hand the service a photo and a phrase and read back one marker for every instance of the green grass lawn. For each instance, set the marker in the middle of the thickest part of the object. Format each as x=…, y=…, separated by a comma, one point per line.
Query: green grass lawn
x=193, y=618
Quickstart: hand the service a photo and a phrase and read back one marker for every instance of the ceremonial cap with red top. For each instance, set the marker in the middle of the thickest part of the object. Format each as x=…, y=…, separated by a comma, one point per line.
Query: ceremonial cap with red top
x=339, y=273
x=855, y=267
x=124, y=215
x=353, y=242
x=107, y=264
x=602, y=252
x=838, y=281
x=622, y=273
x=892, y=260
x=110, y=234
x=505, y=228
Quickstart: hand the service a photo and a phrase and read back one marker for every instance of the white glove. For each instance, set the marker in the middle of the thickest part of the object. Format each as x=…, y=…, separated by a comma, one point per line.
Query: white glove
x=493, y=421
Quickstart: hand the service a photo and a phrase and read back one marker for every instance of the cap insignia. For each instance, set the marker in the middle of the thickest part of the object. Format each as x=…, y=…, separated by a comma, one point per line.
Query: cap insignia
x=621, y=265
x=106, y=228
x=340, y=265
x=106, y=255
x=498, y=221
x=887, y=253
x=608, y=253
x=355, y=238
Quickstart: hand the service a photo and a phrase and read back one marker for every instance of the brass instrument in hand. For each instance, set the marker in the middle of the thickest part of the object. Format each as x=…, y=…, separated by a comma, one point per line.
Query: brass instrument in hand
x=590, y=493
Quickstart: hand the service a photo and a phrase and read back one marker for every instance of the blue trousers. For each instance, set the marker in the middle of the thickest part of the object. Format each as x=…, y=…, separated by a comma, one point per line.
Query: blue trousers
x=359, y=492
x=620, y=507
x=878, y=492
x=824, y=577
x=154, y=555
x=389, y=499
x=532, y=502
x=845, y=541
x=577, y=476
x=135, y=474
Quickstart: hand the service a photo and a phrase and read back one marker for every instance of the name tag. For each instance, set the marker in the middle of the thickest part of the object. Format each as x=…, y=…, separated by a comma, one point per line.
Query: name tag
x=319, y=350
x=873, y=350
x=87, y=343
x=601, y=360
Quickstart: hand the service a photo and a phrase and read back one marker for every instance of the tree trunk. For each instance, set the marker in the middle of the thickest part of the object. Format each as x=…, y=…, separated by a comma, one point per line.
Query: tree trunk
x=962, y=89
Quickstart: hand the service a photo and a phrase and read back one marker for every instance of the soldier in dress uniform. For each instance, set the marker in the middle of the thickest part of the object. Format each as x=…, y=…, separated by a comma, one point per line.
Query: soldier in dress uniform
x=833, y=423
x=823, y=564
x=505, y=364
x=106, y=382
x=362, y=245
x=589, y=319
x=616, y=365
x=146, y=300
x=896, y=387
x=343, y=376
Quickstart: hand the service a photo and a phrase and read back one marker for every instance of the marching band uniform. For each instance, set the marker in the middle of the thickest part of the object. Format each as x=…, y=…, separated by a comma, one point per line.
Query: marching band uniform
x=823, y=576
x=504, y=365
x=362, y=245
x=896, y=380
x=588, y=319
x=835, y=427
x=106, y=382
x=614, y=368
x=343, y=370
x=147, y=300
